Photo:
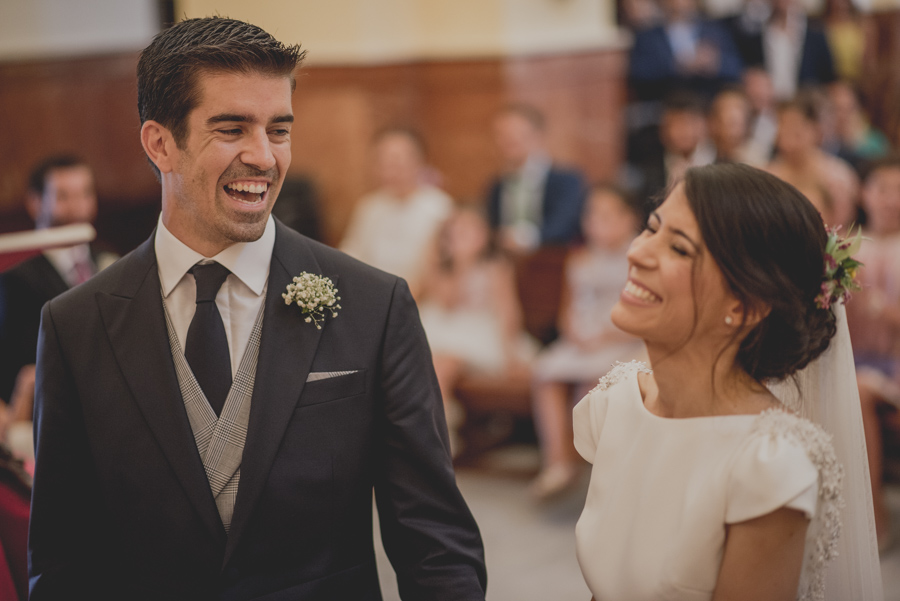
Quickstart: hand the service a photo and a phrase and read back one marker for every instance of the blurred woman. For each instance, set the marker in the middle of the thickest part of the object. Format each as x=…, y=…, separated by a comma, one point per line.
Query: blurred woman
x=589, y=344
x=829, y=182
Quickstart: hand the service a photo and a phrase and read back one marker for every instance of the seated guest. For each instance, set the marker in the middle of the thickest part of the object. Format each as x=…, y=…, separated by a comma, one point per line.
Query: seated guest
x=686, y=51
x=781, y=39
x=60, y=192
x=470, y=309
x=763, y=112
x=683, y=135
x=729, y=122
x=829, y=182
x=589, y=343
x=874, y=317
x=846, y=29
x=15, y=494
x=534, y=202
x=857, y=140
x=298, y=206
x=392, y=227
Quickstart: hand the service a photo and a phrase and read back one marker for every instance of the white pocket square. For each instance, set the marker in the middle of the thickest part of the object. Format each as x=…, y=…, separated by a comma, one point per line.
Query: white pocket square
x=324, y=375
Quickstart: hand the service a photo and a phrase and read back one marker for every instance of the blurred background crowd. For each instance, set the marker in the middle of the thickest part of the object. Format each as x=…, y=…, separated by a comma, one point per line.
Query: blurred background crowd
x=505, y=189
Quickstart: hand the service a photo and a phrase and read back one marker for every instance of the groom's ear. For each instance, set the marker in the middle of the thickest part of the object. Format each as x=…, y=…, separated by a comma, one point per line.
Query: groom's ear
x=160, y=146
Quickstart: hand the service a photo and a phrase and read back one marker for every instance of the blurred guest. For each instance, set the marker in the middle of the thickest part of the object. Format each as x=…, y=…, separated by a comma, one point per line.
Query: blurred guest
x=639, y=14
x=874, y=317
x=683, y=136
x=857, y=140
x=846, y=30
x=534, y=202
x=829, y=182
x=729, y=123
x=60, y=192
x=470, y=309
x=763, y=112
x=686, y=51
x=779, y=37
x=15, y=495
x=589, y=343
x=392, y=227
x=298, y=206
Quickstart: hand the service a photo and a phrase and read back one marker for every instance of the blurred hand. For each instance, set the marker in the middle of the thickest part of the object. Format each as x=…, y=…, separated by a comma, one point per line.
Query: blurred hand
x=706, y=60
x=21, y=405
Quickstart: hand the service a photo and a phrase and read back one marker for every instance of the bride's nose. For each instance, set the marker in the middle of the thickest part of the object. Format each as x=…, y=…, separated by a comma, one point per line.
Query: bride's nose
x=641, y=251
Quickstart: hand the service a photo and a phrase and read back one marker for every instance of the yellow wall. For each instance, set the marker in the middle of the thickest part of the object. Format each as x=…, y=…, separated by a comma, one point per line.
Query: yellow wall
x=373, y=31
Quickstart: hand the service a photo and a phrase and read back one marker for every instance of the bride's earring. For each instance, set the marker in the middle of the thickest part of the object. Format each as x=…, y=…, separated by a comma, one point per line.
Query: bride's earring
x=729, y=320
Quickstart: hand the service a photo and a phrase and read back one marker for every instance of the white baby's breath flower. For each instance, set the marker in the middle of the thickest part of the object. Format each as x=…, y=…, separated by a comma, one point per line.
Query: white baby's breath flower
x=314, y=294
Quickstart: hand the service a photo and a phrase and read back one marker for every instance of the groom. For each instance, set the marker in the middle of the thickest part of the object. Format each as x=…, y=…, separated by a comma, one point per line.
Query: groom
x=197, y=437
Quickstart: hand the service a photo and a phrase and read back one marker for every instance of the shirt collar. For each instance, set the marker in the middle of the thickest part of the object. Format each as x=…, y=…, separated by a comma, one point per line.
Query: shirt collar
x=535, y=167
x=249, y=261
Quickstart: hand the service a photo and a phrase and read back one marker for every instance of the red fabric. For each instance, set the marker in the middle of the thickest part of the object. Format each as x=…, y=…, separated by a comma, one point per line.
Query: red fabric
x=7, y=586
x=14, y=510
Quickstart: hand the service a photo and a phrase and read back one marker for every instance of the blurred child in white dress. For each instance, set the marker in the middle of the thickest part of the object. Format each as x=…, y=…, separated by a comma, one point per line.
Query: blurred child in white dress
x=589, y=343
x=470, y=309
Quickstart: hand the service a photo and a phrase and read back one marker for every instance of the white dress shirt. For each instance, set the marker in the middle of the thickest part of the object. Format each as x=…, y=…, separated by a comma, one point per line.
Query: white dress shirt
x=394, y=234
x=65, y=261
x=239, y=299
x=783, y=51
x=522, y=200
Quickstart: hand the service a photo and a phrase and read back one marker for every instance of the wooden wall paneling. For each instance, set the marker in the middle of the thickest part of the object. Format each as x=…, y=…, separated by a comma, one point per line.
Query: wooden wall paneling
x=459, y=102
x=89, y=106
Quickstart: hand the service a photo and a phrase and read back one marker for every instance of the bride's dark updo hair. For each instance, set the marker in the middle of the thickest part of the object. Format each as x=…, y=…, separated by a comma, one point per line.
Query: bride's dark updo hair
x=769, y=242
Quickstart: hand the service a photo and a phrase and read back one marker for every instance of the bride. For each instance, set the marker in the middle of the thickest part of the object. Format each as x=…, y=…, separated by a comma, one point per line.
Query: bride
x=704, y=485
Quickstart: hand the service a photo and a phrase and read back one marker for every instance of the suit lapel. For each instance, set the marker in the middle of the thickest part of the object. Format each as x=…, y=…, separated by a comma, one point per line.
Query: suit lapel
x=286, y=353
x=135, y=323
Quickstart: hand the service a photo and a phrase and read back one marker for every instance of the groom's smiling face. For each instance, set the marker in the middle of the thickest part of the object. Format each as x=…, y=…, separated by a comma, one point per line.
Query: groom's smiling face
x=229, y=168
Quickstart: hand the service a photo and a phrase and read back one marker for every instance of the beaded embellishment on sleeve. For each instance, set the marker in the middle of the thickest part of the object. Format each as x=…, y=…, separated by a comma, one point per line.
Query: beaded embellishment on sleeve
x=620, y=371
x=825, y=529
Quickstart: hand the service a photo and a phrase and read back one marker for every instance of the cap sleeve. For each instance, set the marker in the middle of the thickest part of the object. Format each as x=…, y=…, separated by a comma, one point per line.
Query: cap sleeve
x=771, y=471
x=590, y=412
x=587, y=422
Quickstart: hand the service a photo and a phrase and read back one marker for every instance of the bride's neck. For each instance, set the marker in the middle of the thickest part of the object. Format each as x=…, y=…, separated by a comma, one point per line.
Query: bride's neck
x=693, y=384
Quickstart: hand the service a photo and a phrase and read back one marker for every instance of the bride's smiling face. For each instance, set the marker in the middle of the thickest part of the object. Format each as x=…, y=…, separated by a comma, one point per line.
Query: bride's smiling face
x=675, y=291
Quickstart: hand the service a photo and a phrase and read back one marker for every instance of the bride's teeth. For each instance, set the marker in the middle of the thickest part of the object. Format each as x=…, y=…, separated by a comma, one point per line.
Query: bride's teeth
x=641, y=293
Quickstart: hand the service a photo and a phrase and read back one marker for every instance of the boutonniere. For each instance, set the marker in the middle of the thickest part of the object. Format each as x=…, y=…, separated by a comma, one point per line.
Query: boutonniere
x=314, y=294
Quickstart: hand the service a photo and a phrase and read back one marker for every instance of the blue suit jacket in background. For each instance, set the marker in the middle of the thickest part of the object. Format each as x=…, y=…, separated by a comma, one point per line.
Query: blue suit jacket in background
x=652, y=71
x=564, y=194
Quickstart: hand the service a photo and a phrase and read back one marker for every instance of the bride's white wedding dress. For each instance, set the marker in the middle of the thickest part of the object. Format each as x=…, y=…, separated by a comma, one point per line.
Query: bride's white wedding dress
x=663, y=490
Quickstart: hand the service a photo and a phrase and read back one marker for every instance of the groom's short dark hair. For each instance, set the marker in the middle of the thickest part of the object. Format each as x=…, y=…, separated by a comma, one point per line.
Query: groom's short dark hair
x=169, y=67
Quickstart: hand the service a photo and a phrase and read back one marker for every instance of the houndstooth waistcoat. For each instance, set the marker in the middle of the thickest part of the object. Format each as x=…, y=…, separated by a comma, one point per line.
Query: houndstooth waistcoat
x=220, y=440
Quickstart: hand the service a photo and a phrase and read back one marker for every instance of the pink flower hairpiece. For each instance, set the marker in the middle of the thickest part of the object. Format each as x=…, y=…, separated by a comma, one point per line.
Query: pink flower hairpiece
x=839, y=278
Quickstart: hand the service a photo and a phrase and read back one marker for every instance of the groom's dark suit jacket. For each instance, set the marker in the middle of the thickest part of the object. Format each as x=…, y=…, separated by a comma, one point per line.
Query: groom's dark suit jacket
x=121, y=504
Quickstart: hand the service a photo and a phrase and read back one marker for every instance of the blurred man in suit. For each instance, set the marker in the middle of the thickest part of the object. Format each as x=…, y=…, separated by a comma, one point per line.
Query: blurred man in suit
x=534, y=202
x=60, y=192
x=777, y=36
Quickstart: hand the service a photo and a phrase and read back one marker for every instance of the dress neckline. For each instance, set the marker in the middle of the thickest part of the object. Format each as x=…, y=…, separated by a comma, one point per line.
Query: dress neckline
x=696, y=419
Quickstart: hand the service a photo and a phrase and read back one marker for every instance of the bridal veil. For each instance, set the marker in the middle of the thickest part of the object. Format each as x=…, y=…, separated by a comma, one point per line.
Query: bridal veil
x=826, y=393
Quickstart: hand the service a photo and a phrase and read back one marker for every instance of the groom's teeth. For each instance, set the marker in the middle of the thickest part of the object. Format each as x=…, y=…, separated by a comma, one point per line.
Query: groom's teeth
x=252, y=188
x=639, y=292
